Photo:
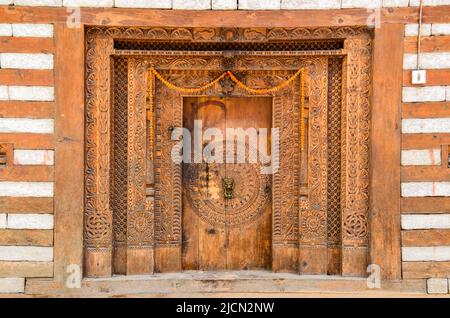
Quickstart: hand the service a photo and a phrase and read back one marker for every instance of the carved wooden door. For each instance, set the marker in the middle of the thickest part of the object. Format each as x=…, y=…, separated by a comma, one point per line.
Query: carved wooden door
x=227, y=209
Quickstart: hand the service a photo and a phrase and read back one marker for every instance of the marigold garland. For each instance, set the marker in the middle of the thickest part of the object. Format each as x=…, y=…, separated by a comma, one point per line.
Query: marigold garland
x=300, y=73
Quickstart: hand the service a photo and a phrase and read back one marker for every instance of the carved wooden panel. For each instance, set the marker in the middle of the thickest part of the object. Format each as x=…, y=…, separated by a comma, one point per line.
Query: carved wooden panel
x=194, y=68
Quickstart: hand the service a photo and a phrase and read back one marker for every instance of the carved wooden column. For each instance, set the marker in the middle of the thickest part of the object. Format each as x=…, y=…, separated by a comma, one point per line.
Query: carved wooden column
x=355, y=182
x=98, y=215
x=313, y=201
x=139, y=210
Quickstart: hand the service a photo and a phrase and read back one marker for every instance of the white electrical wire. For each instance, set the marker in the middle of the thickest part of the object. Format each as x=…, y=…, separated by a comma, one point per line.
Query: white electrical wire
x=419, y=31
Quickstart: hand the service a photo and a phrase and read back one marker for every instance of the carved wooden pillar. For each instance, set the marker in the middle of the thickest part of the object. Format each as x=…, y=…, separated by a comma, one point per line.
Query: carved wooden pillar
x=139, y=209
x=355, y=182
x=98, y=215
x=313, y=199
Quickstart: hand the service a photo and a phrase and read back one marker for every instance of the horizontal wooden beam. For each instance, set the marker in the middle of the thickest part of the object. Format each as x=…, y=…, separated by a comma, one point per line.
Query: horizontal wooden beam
x=426, y=110
x=240, y=18
x=26, y=205
x=435, y=237
x=427, y=44
x=28, y=141
x=16, y=109
x=424, y=173
x=425, y=141
x=434, y=77
x=27, y=173
x=413, y=270
x=26, y=269
x=26, y=77
x=26, y=44
x=26, y=237
x=425, y=205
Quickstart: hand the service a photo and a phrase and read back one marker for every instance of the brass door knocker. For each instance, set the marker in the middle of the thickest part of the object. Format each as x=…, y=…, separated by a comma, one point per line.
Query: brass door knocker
x=228, y=187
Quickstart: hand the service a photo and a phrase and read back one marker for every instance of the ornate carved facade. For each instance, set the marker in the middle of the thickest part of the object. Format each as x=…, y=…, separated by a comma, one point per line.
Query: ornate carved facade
x=319, y=195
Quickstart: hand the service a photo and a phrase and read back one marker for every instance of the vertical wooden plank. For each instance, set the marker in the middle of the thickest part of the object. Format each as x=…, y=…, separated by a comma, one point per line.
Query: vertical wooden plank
x=385, y=150
x=69, y=149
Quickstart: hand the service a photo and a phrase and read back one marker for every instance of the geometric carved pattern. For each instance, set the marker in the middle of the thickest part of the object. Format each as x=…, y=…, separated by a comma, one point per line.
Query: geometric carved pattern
x=264, y=70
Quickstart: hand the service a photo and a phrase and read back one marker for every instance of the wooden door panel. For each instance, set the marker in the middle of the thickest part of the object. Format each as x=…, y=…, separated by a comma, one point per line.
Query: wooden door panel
x=233, y=233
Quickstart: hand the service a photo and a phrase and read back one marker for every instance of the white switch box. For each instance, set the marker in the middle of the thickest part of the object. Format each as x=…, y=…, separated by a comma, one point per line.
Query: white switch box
x=419, y=77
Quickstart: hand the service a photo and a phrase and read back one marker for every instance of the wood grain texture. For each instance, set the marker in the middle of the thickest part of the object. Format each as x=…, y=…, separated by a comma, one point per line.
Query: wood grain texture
x=26, y=269
x=435, y=237
x=18, y=109
x=424, y=173
x=69, y=134
x=385, y=152
x=426, y=110
x=27, y=173
x=26, y=77
x=26, y=205
x=412, y=270
x=28, y=141
x=424, y=141
x=26, y=237
x=267, y=18
x=427, y=44
x=434, y=77
x=26, y=45
x=425, y=205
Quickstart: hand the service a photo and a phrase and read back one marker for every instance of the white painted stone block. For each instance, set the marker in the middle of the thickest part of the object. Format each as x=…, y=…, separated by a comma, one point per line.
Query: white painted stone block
x=424, y=94
x=447, y=93
x=6, y=2
x=26, y=189
x=33, y=157
x=191, y=4
x=310, y=4
x=362, y=4
x=37, y=61
x=30, y=221
x=425, y=189
x=425, y=125
x=415, y=3
x=224, y=4
x=32, y=30
x=4, y=92
x=422, y=157
x=5, y=29
x=440, y=29
x=259, y=4
x=88, y=3
x=155, y=4
x=26, y=253
x=12, y=285
x=26, y=125
x=434, y=60
x=38, y=3
x=437, y=286
x=395, y=3
x=431, y=253
x=425, y=221
x=2, y=220
x=411, y=29
x=31, y=93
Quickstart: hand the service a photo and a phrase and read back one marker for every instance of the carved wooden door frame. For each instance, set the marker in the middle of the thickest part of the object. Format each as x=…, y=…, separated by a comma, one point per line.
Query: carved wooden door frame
x=355, y=144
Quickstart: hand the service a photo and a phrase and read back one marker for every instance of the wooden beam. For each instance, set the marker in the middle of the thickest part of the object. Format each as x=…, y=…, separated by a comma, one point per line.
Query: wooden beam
x=69, y=148
x=28, y=141
x=426, y=110
x=26, y=205
x=436, y=237
x=428, y=44
x=202, y=18
x=26, y=237
x=424, y=141
x=27, y=173
x=26, y=269
x=25, y=45
x=424, y=173
x=26, y=77
x=18, y=109
x=413, y=270
x=434, y=77
x=425, y=205
x=385, y=150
